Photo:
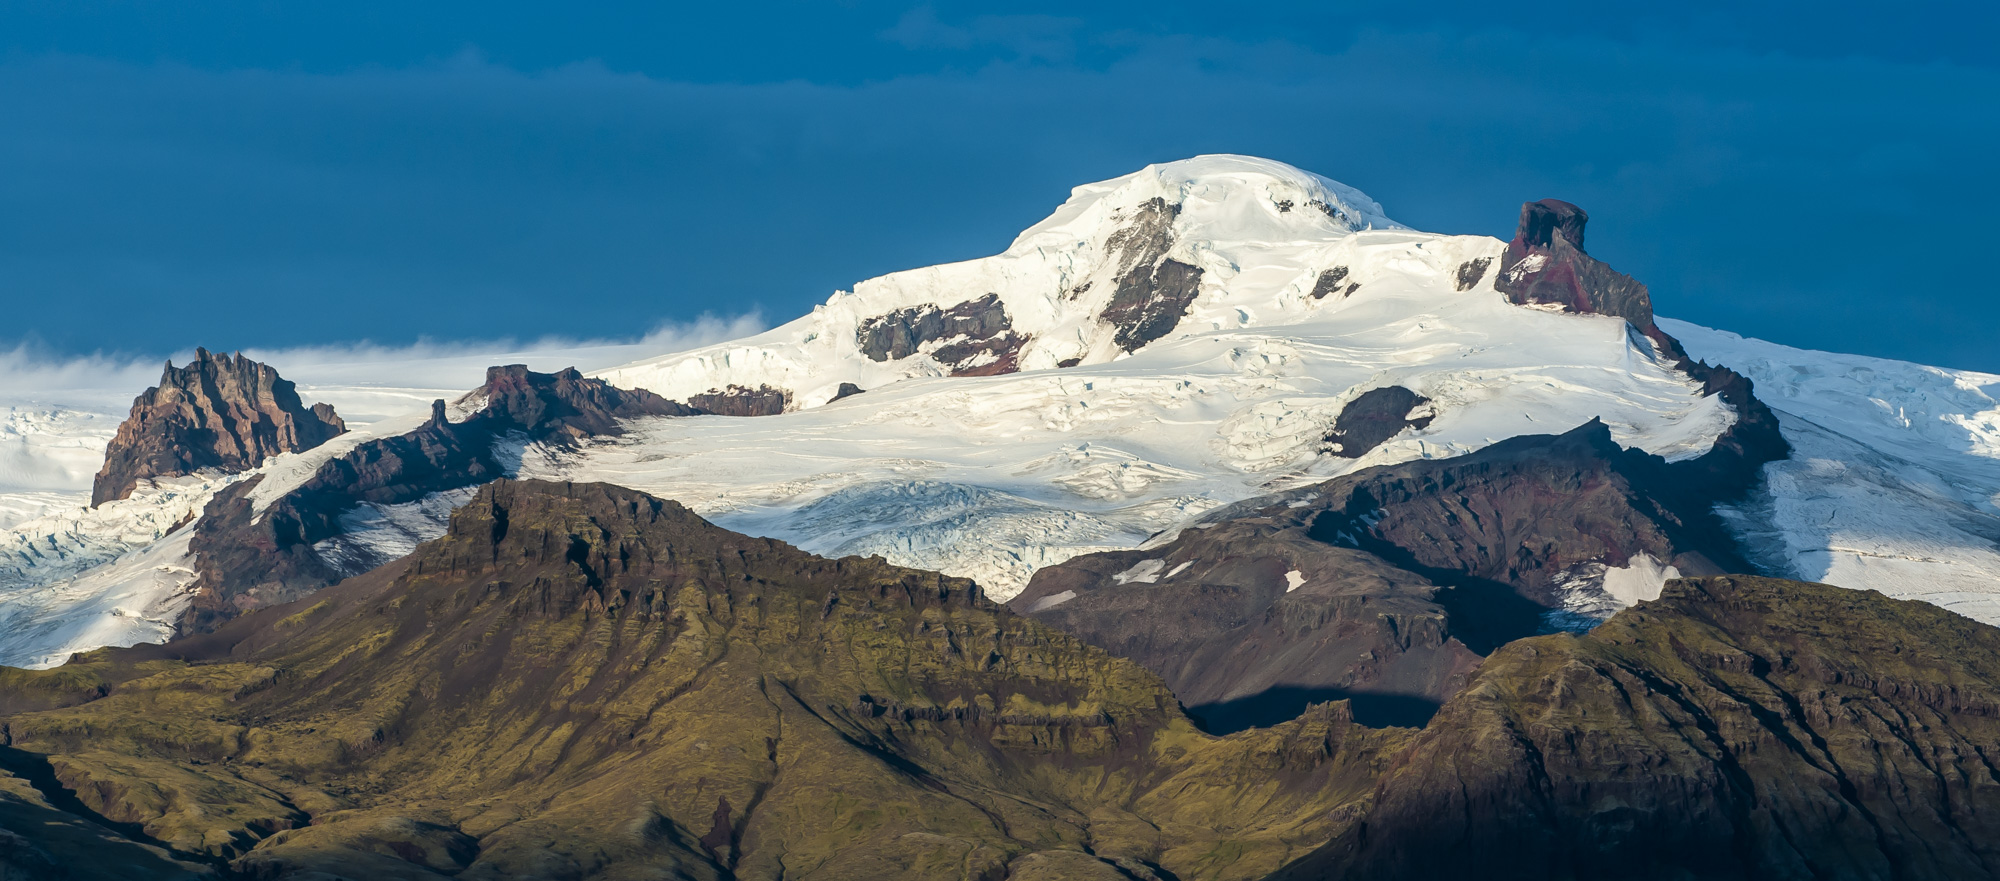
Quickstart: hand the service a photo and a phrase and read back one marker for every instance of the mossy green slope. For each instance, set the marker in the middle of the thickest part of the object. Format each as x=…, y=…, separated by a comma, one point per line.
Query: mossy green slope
x=580, y=681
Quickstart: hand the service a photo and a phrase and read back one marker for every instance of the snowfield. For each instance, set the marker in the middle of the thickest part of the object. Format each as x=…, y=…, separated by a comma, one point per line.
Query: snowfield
x=1894, y=480
x=1896, y=484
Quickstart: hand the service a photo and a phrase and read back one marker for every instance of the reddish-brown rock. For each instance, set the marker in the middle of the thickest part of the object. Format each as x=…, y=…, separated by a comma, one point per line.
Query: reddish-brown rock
x=1545, y=264
x=225, y=412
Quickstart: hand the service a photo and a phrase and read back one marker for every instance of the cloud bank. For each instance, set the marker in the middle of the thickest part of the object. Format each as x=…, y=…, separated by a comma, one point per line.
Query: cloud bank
x=364, y=380
x=1822, y=198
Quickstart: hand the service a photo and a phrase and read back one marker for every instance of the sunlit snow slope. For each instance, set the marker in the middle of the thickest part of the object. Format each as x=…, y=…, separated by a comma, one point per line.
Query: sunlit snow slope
x=1894, y=480
x=1164, y=344
x=992, y=477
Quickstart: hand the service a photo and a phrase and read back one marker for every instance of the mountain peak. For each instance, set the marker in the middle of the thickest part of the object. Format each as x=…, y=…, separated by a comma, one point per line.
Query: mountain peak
x=1542, y=220
x=219, y=411
x=1224, y=194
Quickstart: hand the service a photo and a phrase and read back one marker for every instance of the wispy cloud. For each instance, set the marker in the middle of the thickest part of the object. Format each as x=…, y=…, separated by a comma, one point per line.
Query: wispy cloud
x=1822, y=200
x=362, y=378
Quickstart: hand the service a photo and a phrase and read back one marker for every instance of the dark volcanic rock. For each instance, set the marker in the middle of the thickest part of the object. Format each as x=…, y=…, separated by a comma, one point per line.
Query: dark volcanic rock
x=846, y=390
x=220, y=411
x=1217, y=615
x=1545, y=264
x=1373, y=418
x=1471, y=271
x=1508, y=526
x=1405, y=574
x=246, y=560
x=976, y=336
x=583, y=675
x=1329, y=282
x=1737, y=728
x=1153, y=291
x=562, y=403
x=738, y=400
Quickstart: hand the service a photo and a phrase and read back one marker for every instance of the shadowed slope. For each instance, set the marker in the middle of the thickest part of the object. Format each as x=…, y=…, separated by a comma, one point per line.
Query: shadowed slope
x=1383, y=585
x=583, y=681
x=220, y=411
x=1736, y=728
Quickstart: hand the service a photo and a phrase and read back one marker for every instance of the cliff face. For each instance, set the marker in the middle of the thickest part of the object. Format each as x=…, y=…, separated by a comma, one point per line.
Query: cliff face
x=249, y=560
x=1736, y=728
x=1545, y=264
x=1383, y=586
x=220, y=411
x=583, y=681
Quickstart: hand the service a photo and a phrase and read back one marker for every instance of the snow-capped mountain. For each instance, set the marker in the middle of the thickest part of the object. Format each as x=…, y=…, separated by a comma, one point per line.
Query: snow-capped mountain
x=1164, y=345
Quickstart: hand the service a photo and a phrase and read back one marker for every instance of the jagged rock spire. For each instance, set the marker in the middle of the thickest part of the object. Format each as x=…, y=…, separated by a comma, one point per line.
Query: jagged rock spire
x=220, y=411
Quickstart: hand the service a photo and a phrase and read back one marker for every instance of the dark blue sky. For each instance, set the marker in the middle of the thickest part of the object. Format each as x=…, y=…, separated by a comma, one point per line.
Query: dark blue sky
x=273, y=174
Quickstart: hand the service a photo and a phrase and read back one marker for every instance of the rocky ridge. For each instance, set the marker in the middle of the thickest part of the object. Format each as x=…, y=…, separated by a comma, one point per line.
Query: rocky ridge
x=224, y=412
x=1736, y=728
x=582, y=681
x=1545, y=265
x=247, y=557
x=1385, y=586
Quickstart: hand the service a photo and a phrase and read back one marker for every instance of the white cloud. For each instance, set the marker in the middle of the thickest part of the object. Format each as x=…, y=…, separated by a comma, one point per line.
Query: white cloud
x=363, y=380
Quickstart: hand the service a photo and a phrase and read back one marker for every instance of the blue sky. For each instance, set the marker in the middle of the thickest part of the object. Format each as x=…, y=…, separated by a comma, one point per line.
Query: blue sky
x=282, y=174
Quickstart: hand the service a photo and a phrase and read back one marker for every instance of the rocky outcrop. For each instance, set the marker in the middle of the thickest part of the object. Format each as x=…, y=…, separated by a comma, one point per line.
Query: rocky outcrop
x=1507, y=528
x=579, y=680
x=247, y=559
x=1383, y=586
x=973, y=338
x=1545, y=264
x=1471, y=272
x=1153, y=291
x=1251, y=621
x=1737, y=728
x=564, y=404
x=224, y=412
x=585, y=676
x=739, y=400
x=1332, y=281
x=1374, y=417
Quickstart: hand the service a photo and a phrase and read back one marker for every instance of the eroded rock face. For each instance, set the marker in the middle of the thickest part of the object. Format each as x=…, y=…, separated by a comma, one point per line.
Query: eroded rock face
x=225, y=412
x=248, y=561
x=1376, y=416
x=583, y=674
x=1330, y=282
x=1383, y=586
x=1506, y=527
x=1737, y=728
x=1251, y=621
x=738, y=400
x=1545, y=264
x=1472, y=271
x=1153, y=291
x=974, y=338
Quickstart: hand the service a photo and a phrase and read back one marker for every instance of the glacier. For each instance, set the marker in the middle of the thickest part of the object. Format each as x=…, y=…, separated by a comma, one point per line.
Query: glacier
x=1894, y=484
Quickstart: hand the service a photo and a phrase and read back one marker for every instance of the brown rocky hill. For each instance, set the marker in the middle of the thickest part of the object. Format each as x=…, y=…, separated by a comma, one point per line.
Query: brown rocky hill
x=584, y=682
x=1383, y=586
x=580, y=681
x=220, y=411
x=248, y=559
x=1736, y=728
